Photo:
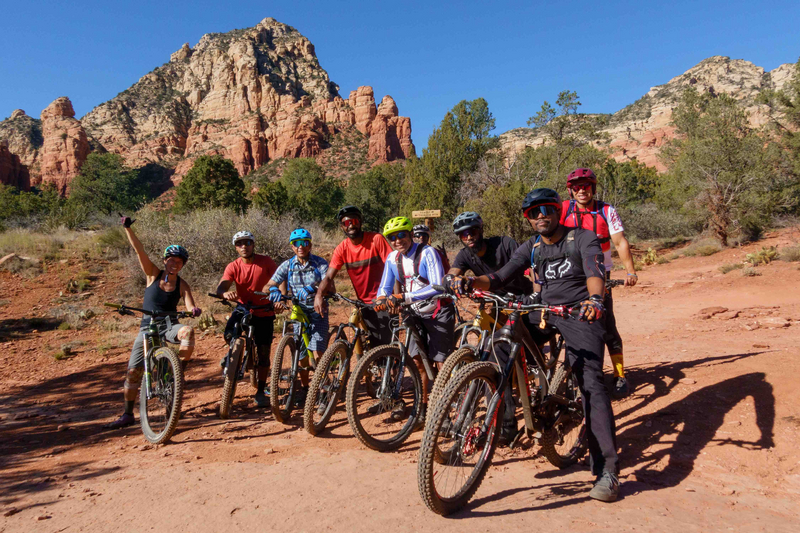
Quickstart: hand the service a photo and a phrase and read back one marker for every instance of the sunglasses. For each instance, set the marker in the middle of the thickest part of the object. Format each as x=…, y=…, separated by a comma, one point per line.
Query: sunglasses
x=544, y=210
x=301, y=244
x=243, y=243
x=347, y=222
x=469, y=232
x=581, y=186
x=399, y=235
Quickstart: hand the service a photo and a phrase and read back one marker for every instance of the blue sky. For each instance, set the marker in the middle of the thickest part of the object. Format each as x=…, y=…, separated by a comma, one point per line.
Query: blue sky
x=427, y=55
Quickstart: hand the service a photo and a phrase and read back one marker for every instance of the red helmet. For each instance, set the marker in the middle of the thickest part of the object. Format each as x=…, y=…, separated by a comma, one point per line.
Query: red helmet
x=580, y=174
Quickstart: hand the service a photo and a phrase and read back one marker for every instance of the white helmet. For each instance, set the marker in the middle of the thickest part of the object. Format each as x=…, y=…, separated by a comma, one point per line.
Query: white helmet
x=242, y=235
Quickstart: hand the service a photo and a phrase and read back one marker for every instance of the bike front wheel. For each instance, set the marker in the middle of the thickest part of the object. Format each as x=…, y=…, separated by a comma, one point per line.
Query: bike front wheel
x=455, y=432
x=326, y=388
x=229, y=387
x=467, y=335
x=454, y=362
x=160, y=404
x=381, y=416
x=284, y=383
x=566, y=441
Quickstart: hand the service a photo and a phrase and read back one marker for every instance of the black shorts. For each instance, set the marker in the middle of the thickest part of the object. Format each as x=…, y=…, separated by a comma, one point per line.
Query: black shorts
x=379, y=328
x=262, y=332
x=438, y=333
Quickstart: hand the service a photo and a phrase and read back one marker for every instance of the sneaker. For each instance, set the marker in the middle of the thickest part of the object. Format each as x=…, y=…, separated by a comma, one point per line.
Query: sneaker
x=262, y=398
x=399, y=411
x=419, y=425
x=621, y=389
x=223, y=362
x=122, y=422
x=606, y=488
x=300, y=399
x=508, y=432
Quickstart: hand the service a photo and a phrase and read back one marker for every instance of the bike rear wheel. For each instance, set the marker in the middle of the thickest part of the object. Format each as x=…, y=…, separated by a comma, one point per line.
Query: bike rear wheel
x=326, y=388
x=456, y=427
x=566, y=441
x=160, y=412
x=283, y=383
x=379, y=418
x=229, y=387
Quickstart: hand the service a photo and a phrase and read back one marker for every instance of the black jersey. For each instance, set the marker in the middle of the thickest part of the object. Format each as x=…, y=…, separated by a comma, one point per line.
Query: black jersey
x=499, y=251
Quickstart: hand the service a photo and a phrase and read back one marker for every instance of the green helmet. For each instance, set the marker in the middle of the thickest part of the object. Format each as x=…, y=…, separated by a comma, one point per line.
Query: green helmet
x=396, y=224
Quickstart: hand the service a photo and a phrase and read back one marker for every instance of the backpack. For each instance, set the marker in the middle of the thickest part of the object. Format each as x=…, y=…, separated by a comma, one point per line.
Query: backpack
x=601, y=210
x=398, y=261
x=537, y=260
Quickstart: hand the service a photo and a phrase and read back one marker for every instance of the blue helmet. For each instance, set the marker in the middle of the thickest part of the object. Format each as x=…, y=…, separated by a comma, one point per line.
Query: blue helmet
x=176, y=250
x=299, y=234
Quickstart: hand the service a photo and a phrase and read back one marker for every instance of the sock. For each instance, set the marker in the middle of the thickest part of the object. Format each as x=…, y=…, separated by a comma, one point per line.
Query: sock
x=129, y=407
x=261, y=385
x=619, y=368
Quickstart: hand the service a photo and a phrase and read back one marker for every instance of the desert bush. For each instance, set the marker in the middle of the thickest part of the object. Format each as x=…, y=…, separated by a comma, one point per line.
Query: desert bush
x=213, y=182
x=22, y=267
x=648, y=221
x=790, y=253
x=113, y=243
x=650, y=257
x=703, y=247
x=728, y=267
x=750, y=272
x=764, y=256
x=207, y=235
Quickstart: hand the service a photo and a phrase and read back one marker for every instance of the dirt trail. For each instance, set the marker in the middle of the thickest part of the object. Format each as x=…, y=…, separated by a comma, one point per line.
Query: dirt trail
x=709, y=440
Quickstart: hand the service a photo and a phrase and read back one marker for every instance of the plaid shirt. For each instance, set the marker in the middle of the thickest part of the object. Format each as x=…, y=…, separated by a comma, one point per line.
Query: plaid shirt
x=298, y=275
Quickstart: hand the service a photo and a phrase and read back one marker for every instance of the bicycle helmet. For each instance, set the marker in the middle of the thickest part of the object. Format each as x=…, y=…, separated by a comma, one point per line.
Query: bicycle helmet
x=349, y=211
x=299, y=234
x=396, y=224
x=421, y=228
x=176, y=250
x=243, y=235
x=581, y=174
x=541, y=197
x=466, y=220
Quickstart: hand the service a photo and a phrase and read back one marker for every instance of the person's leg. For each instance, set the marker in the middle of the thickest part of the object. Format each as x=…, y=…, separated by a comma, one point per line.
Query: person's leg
x=379, y=329
x=263, y=331
x=613, y=341
x=585, y=348
x=133, y=377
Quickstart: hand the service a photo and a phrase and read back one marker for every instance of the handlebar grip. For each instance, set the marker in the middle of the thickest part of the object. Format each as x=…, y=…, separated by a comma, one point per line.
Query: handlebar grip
x=440, y=288
x=115, y=306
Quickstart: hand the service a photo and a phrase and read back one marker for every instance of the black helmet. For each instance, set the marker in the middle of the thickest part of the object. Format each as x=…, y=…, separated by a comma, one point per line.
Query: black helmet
x=349, y=211
x=466, y=220
x=541, y=196
x=421, y=228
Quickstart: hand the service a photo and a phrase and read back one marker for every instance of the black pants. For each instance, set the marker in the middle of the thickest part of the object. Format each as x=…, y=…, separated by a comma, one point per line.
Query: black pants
x=585, y=349
x=379, y=329
x=263, y=333
x=612, y=338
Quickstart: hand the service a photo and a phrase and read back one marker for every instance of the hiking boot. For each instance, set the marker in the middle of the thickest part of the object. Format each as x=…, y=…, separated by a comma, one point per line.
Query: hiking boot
x=621, y=389
x=508, y=432
x=262, y=399
x=419, y=425
x=300, y=399
x=122, y=422
x=606, y=488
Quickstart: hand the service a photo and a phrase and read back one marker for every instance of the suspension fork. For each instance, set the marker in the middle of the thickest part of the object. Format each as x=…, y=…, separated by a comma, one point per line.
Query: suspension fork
x=147, y=376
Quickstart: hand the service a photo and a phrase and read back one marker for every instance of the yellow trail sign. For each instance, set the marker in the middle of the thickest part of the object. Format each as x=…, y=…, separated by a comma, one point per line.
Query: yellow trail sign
x=428, y=213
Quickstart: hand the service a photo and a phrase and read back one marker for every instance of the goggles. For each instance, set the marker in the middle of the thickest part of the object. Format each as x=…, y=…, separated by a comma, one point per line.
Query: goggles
x=399, y=235
x=347, y=222
x=546, y=210
x=301, y=243
x=469, y=232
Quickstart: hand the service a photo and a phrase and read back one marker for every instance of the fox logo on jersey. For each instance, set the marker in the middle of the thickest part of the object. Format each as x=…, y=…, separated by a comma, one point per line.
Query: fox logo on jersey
x=563, y=268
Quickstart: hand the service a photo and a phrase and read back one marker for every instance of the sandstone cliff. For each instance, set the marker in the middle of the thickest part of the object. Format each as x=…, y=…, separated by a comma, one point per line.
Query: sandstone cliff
x=12, y=171
x=23, y=137
x=639, y=130
x=65, y=145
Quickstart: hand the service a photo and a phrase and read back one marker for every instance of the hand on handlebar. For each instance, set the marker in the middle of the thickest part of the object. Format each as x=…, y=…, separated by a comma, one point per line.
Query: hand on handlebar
x=460, y=285
x=231, y=296
x=592, y=309
x=631, y=279
x=196, y=312
x=275, y=295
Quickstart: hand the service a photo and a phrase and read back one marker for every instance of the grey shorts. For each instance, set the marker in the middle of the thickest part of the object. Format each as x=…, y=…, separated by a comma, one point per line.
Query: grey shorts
x=137, y=352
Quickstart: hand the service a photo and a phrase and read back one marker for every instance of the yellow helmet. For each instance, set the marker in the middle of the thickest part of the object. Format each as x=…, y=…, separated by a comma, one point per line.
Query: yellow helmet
x=396, y=224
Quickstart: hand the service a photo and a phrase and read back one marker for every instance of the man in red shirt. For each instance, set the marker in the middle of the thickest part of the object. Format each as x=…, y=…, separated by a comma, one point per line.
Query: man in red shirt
x=363, y=253
x=250, y=273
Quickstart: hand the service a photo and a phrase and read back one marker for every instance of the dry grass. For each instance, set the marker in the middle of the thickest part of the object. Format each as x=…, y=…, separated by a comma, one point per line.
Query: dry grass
x=703, y=247
x=790, y=253
x=750, y=272
x=30, y=243
x=728, y=267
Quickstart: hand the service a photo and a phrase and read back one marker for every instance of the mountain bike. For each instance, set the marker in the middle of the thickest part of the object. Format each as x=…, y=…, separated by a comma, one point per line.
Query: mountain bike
x=333, y=369
x=241, y=355
x=462, y=433
x=286, y=367
x=384, y=395
x=161, y=391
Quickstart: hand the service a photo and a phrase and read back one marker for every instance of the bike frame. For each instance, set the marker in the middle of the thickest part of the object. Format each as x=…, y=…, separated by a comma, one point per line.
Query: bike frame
x=154, y=337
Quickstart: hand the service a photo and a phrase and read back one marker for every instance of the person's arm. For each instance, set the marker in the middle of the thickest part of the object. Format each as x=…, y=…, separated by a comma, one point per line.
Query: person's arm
x=515, y=267
x=624, y=251
x=188, y=299
x=326, y=286
x=387, y=280
x=223, y=290
x=150, y=270
x=595, y=271
x=432, y=269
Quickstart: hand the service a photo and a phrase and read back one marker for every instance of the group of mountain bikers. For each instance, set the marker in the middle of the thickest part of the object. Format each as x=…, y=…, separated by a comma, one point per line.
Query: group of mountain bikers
x=569, y=258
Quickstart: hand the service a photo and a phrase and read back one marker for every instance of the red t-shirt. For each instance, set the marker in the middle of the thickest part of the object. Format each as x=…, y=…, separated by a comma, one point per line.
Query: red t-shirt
x=251, y=278
x=364, y=263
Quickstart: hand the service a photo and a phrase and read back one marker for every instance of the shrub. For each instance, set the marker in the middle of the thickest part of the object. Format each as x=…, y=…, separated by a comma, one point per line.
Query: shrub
x=648, y=221
x=728, y=267
x=106, y=185
x=750, y=272
x=762, y=257
x=212, y=182
x=315, y=196
x=790, y=253
x=703, y=247
x=650, y=257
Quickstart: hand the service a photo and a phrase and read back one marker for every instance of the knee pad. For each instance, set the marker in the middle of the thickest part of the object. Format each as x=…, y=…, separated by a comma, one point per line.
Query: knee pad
x=133, y=377
x=186, y=335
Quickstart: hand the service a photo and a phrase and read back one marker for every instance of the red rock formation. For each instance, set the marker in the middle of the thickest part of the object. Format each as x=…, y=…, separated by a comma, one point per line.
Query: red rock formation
x=65, y=145
x=12, y=171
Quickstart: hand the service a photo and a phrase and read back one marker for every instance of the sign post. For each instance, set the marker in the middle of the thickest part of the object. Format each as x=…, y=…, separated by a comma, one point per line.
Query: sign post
x=428, y=215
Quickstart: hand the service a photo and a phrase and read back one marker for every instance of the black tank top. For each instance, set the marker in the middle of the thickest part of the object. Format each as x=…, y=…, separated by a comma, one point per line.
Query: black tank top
x=156, y=299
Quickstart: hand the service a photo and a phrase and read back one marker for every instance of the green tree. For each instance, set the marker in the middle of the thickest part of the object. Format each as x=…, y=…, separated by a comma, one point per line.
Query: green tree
x=377, y=192
x=273, y=199
x=106, y=185
x=455, y=147
x=719, y=166
x=212, y=182
x=311, y=192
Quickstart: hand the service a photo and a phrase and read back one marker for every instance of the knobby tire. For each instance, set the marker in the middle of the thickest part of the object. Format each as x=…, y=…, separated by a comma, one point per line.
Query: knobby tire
x=167, y=380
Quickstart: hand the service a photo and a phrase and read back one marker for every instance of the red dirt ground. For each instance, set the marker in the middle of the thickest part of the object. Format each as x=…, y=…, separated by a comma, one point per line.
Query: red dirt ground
x=709, y=440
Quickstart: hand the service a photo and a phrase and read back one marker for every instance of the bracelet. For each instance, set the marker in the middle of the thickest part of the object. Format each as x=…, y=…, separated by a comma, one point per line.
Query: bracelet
x=634, y=275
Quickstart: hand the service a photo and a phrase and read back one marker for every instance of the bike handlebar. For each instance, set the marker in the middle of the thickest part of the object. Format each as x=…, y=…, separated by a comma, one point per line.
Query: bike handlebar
x=357, y=303
x=124, y=309
x=246, y=306
x=511, y=303
x=611, y=283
